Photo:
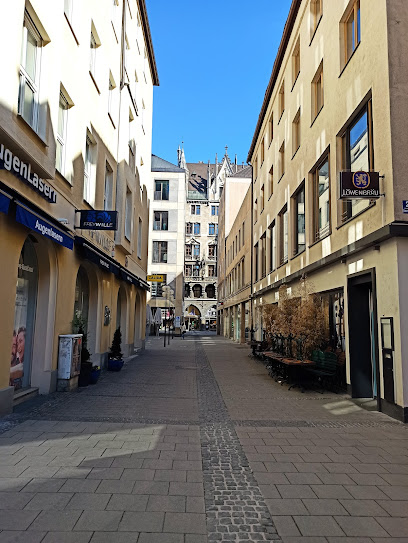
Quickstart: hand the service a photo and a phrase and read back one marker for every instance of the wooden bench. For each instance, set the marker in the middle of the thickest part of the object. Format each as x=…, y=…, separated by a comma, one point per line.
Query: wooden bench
x=325, y=369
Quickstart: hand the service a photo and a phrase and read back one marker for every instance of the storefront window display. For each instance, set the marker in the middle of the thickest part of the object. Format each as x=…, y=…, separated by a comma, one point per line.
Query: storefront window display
x=24, y=317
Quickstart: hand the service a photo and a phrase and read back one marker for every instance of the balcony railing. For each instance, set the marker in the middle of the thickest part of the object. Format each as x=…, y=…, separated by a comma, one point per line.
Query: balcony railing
x=196, y=195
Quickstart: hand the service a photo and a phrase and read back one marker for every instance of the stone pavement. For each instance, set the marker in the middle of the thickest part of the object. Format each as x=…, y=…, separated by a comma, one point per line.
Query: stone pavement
x=194, y=443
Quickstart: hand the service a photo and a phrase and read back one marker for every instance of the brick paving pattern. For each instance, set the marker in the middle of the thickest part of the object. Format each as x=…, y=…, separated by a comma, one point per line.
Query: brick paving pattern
x=149, y=455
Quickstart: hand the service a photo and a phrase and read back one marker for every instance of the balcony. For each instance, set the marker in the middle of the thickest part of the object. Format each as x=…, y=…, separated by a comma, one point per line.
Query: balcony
x=196, y=195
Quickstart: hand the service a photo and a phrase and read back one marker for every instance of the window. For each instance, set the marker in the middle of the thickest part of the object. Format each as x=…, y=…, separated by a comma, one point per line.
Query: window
x=197, y=228
x=281, y=100
x=300, y=233
x=89, y=181
x=358, y=155
x=139, y=239
x=211, y=270
x=197, y=291
x=296, y=62
x=29, y=73
x=243, y=272
x=111, y=99
x=159, y=252
x=156, y=288
x=270, y=181
x=189, y=228
x=108, y=193
x=243, y=232
x=214, y=210
x=316, y=12
x=321, y=208
x=61, y=134
x=263, y=254
x=210, y=291
x=161, y=190
x=262, y=151
x=272, y=247
x=188, y=251
x=195, y=209
x=211, y=229
x=188, y=270
x=212, y=251
x=256, y=261
x=282, y=159
x=270, y=128
x=283, y=235
x=256, y=168
x=317, y=92
x=352, y=30
x=262, y=202
x=196, y=270
x=161, y=220
x=128, y=215
x=196, y=250
x=255, y=210
x=116, y=18
x=92, y=62
x=296, y=133
x=216, y=229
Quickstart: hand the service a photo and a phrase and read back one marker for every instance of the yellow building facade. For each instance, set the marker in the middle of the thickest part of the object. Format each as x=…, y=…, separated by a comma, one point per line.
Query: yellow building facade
x=75, y=136
x=334, y=107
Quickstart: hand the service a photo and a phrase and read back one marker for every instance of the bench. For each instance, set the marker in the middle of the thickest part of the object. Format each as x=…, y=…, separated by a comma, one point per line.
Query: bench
x=325, y=369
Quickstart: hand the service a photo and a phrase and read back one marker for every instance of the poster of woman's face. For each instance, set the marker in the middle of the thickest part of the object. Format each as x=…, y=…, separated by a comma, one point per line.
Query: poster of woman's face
x=17, y=358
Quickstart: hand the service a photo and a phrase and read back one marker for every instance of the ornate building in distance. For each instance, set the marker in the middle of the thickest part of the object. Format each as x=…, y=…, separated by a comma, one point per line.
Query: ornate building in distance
x=205, y=183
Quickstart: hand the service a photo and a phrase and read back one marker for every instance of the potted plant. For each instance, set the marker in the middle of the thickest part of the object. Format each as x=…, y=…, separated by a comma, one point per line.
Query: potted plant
x=115, y=361
x=95, y=374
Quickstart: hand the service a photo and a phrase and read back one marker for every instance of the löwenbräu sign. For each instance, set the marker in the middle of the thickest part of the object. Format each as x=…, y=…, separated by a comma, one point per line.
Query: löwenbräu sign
x=359, y=185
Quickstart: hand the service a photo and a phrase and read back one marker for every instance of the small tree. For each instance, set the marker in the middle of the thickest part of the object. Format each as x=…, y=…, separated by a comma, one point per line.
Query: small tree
x=115, y=351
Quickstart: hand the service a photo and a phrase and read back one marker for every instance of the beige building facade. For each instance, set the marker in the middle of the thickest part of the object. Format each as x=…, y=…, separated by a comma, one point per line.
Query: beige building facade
x=75, y=135
x=234, y=257
x=335, y=103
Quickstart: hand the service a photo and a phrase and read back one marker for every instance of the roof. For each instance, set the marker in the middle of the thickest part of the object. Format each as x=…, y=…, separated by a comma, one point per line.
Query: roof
x=149, y=43
x=161, y=165
x=199, y=180
x=290, y=21
x=245, y=172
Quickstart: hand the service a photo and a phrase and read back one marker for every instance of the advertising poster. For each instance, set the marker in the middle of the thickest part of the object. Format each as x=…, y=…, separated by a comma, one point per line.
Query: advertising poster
x=19, y=334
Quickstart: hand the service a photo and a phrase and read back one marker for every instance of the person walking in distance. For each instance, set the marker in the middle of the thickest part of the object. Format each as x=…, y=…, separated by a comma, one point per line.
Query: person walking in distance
x=183, y=330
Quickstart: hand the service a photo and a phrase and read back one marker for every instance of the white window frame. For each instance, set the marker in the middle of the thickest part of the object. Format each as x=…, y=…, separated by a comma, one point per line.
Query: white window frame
x=89, y=185
x=139, y=239
x=25, y=78
x=61, y=137
x=128, y=215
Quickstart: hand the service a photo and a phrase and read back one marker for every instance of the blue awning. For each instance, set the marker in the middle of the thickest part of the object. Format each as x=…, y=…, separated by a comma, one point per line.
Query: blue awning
x=93, y=254
x=40, y=225
x=5, y=200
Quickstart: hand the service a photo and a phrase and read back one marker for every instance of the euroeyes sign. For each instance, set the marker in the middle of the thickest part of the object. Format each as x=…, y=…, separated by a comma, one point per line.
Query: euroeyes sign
x=12, y=163
x=95, y=219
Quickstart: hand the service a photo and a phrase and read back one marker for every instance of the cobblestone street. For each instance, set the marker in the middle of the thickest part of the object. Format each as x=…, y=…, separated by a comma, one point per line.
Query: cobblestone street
x=194, y=443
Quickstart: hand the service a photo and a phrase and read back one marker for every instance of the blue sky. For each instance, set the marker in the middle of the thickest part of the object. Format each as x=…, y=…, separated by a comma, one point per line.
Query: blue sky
x=214, y=60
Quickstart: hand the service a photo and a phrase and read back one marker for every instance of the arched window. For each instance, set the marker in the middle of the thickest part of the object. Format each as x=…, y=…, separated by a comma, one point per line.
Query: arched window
x=197, y=291
x=187, y=290
x=210, y=291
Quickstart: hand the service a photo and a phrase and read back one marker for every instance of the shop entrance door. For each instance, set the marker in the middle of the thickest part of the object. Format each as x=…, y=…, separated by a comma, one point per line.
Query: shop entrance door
x=363, y=343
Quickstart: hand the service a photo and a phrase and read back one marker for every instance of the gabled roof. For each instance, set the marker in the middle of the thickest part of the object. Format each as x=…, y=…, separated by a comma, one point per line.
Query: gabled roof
x=245, y=172
x=161, y=165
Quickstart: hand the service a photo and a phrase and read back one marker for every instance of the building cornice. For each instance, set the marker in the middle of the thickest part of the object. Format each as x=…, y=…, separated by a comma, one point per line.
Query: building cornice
x=287, y=31
x=149, y=42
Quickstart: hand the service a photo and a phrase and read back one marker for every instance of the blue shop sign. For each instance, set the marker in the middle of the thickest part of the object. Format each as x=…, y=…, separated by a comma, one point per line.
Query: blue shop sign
x=41, y=226
x=405, y=206
x=98, y=219
x=5, y=200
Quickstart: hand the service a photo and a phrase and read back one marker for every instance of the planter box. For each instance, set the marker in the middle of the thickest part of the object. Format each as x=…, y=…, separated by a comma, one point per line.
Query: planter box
x=95, y=374
x=115, y=365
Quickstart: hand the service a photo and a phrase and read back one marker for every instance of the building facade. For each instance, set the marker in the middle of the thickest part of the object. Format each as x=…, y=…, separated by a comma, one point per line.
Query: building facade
x=167, y=195
x=75, y=135
x=234, y=257
x=205, y=186
x=327, y=111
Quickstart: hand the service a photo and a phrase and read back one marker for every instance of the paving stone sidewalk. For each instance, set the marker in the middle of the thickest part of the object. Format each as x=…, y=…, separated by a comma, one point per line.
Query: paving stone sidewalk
x=194, y=443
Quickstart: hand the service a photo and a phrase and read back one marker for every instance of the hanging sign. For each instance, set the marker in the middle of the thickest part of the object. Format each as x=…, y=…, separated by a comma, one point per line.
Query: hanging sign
x=155, y=278
x=359, y=185
x=95, y=219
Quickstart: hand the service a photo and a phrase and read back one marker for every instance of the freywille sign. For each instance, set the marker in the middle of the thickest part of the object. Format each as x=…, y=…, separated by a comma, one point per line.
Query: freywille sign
x=98, y=220
x=359, y=185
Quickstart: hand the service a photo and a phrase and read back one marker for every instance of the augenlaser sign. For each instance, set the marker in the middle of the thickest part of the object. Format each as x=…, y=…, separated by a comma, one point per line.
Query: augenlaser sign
x=12, y=163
